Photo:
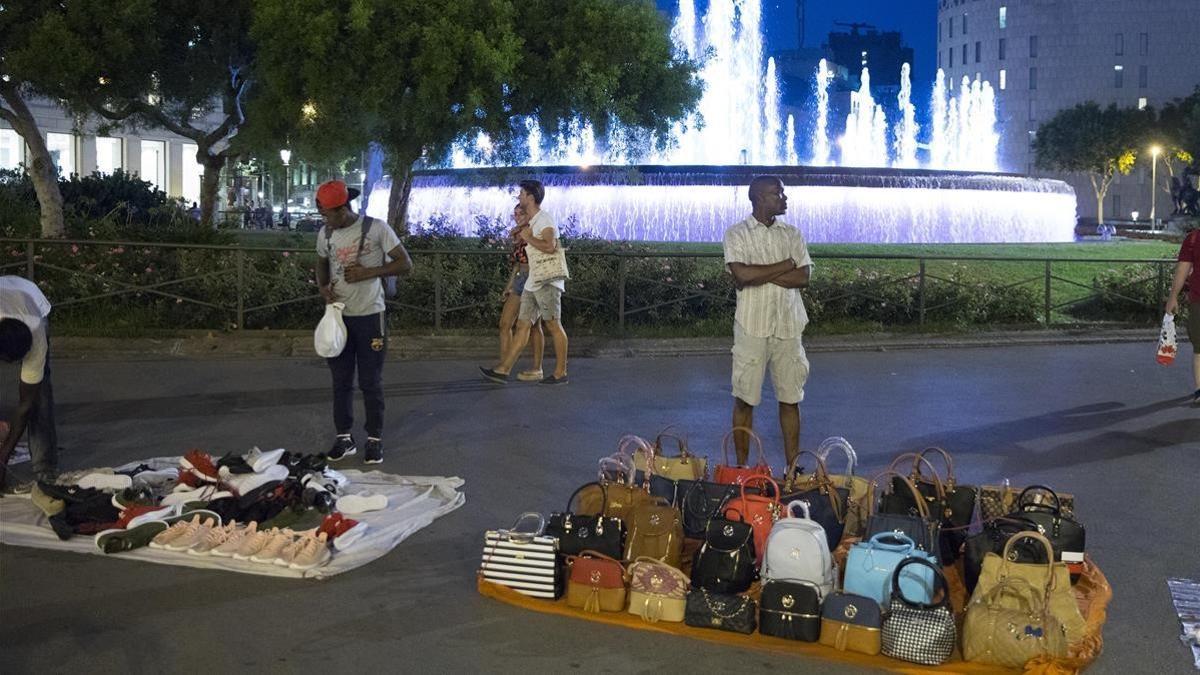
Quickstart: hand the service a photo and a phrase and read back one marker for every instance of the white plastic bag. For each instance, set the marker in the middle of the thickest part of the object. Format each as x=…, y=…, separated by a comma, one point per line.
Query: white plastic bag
x=1167, y=345
x=330, y=337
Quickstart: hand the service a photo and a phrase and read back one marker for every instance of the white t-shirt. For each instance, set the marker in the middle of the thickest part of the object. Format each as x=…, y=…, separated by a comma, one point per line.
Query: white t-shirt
x=541, y=222
x=21, y=299
x=363, y=298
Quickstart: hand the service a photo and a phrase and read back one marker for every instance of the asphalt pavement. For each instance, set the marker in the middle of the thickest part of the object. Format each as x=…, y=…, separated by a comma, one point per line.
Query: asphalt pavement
x=1102, y=421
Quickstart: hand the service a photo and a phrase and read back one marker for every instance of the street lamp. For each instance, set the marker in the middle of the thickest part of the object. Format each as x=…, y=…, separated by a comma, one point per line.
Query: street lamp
x=1154, y=151
x=286, y=156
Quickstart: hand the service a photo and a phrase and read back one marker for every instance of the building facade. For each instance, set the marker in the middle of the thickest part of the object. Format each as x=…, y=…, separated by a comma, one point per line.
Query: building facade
x=1046, y=55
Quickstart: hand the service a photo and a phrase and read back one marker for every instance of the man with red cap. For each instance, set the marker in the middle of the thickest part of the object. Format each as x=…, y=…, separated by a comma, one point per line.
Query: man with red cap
x=355, y=253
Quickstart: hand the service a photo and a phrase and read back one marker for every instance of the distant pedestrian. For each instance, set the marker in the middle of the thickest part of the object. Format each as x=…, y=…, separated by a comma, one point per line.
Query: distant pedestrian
x=25, y=338
x=352, y=253
x=519, y=260
x=194, y=212
x=1187, y=274
x=541, y=298
x=769, y=261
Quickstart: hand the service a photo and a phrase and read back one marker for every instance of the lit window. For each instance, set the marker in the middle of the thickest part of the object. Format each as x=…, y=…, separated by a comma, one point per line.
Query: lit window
x=154, y=163
x=10, y=149
x=1142, y=103
x=1118, y=76
x=192, y=172
x=62, y=151
x=864, y=58
x=109, y=155
x=1004, y=79
x=1003, y=17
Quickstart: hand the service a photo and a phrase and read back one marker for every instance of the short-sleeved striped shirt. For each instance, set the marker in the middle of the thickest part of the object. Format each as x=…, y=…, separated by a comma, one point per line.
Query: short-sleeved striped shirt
x=768, y=310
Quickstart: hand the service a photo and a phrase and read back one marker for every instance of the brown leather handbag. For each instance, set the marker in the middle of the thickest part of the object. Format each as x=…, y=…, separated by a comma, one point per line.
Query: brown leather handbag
x=596, y=583
x=655, y=531
x=615, y=493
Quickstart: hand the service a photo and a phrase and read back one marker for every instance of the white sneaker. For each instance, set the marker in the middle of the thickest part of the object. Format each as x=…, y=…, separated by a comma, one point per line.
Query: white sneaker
x=156, y=480
x=246, y=482
x=206, y=493
x=234, y=540
x=361, y=503
x=261, y=461
x=106, y=481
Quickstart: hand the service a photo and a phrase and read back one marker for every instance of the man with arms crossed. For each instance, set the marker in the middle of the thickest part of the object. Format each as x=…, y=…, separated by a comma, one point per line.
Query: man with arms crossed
x=769, y=261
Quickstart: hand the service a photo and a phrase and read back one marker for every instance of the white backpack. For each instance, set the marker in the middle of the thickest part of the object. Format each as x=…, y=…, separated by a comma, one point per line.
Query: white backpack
x=797, y=550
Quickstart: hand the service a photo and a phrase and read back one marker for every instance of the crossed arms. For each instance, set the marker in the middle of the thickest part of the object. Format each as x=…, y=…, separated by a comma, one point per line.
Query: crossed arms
x=783, y=273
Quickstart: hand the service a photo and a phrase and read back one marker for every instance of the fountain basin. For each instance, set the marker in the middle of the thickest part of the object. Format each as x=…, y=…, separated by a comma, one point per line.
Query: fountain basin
x=698, y=203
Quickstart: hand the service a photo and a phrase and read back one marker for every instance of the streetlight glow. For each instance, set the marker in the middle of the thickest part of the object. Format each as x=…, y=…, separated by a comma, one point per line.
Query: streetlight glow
x=285, y=155
x=1154, y=152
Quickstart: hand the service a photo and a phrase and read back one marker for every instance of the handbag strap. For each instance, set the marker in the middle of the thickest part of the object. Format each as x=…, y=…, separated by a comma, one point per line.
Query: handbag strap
x=873, y=507
x=762, y=457
x=581, y=488
x=950, y=480
x=765, y=480
x=839, y=443
x=915, y=474
x=740, y=608
x=906, y=543
x=939, y=579
x=793, y=504
x=1040, y=488
x=1036, y=536
x=820, y=476
x=1019, y=588
x=519, y=536
x=680, y=442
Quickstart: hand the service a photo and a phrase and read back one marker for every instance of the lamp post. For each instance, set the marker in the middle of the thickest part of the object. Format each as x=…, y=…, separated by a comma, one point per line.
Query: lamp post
x=1153, y=183
x=286, y=156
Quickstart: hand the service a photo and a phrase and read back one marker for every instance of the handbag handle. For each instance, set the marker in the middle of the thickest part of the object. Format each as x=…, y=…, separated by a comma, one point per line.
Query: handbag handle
x=625, y=441
x=950, y=480
x=793, y=504
x=1040, y=488
x=820, y=475
x=762, y=457
x=837, y=442
x=680, y=442
x=906, y=543
x=519, y=536
x=760, y=479
x=873, y=506
x=622, y=469
x=581, y=488
x=1018, y=587
x=1036, y=536
x=939, y=579
x=915, y=474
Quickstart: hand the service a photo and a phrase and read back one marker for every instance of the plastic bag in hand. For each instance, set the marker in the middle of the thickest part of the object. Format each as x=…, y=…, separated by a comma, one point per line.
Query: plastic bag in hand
x=330, y=337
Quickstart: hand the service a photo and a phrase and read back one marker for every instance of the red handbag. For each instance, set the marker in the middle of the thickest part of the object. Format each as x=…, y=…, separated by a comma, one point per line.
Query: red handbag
x=732, y=474
x=759, y=511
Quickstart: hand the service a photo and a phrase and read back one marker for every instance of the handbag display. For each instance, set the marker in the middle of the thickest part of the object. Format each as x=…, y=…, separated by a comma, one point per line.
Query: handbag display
x=1011, y=633
x=1067, y=537
x=725, y=561
x=933, y=490
x=722, y=611
x=851, y=623
x=759, y=510
x=701, y=501
x=871, y=565
x=827, y=503
x=1052, y=576
x=657, y=591
x=655, y=531
x=576, y=534
x=856, y=505
x=919, y=631
x=596, y=583
x=523, y=559
x=797, y=550
x=924, y=530
x=790, y=610
x=1000, y=500
x=991, y=539
x=733, y=473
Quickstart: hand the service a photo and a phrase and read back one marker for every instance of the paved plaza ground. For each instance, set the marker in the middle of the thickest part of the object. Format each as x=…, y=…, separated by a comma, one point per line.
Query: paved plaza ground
x=1100, y=420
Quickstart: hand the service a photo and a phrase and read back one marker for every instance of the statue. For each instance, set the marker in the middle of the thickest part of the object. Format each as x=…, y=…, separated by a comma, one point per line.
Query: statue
x=1189, y=196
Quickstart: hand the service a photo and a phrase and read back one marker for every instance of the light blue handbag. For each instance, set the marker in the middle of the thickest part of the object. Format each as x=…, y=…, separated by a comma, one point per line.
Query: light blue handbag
x=870, y=565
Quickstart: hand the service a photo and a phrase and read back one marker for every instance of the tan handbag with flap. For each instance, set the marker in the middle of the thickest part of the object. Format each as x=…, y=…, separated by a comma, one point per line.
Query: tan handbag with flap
x=1012, y=635
x=655, y=531
x=615, y=494
x=1052, y=576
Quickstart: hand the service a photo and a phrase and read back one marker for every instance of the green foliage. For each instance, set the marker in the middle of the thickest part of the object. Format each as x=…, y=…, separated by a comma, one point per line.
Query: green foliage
x=1127, y=293
x=1091, y=139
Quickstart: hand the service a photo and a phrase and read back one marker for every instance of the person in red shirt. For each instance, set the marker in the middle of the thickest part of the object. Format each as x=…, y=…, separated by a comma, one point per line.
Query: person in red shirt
x=1187, y=273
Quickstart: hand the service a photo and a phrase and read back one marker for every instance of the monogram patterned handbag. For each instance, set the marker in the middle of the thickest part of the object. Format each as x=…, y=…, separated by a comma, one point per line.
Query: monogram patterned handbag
x=657, y=591
x=916, y=631
x=721, y=611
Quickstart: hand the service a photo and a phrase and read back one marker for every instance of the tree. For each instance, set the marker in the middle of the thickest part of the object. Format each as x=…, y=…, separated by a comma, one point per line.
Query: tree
x=1178, y=131
x=179, y=65
x=415, y=76
x=1098, y=142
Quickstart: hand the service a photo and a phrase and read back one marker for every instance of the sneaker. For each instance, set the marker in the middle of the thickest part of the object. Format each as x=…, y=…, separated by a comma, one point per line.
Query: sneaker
x=489, y=374
x=48, y=504
x=105, y=481
x=212, y=539
x=253, y=544
x=135, y=515
x=530, y=375
x=374, y=451
x=170, y=534
x=289, y=553
x=203, y=495
x=362, y=503
x=196, y=532
x=343, y=446
x=119, y=541
x=274, y=547
x=554, y=380
x=234, y=540
x=314, y=553
x=1196, y=398
x=347, y=531
x=158, y=480
x=260, y=461
x=248, y=482
x=200, y=464
x=233, y=464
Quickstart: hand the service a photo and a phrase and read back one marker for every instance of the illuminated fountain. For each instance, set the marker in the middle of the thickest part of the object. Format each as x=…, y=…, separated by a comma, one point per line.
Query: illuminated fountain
x=695, y=187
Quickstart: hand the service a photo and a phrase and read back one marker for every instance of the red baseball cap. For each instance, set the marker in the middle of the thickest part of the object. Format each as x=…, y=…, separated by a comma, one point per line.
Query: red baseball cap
x=334, y=193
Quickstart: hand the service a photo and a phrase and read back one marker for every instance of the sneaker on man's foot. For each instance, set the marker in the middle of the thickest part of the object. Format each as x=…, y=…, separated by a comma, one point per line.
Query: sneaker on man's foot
x=374, y=453
x=551, y=379
x=498, y=378
x=343, y=446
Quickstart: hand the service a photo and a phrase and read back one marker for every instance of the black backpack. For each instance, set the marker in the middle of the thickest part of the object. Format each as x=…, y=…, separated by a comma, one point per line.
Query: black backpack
x=725, y=563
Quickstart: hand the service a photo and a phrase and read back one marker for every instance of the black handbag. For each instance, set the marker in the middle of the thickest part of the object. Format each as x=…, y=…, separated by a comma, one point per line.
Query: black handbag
x=991, y=539
x=915, y=521
x=699, y=501
x=1067, y=536
x=725, y=561
x=827, y=504
x=577, y=533
x=790, y=610
x=948, y=501
x=722, y=611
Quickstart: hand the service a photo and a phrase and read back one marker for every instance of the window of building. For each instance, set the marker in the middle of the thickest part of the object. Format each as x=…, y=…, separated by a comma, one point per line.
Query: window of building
x=964, y=55
x=950, y=26
x=978, y=52
x=951, y=52
x=192, y=172
x=1033, y=78
x=1031, y=117
x=154, y=163
x=109, y=154
x=1003, y=48
x=1144, y=44
x=1003, y=16
x=62, y=152
x=1142, y=103
x=1003, y=79
x=939, y=59
x=1033, y=46
x=941, y=31
x=10, y=149
x=964, y=24
x=1119, y=47
x=1143, y=76
x=1118, y=76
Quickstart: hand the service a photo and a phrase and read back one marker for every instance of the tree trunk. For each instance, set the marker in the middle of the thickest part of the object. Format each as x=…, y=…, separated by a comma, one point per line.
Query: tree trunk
x=402, y=178
x=210, y=185
x=41, y=165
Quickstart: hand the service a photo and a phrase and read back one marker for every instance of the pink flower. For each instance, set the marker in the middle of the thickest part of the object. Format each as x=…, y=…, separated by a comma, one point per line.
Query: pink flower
x=74, y=249
x=149, y=270
x=286, y=254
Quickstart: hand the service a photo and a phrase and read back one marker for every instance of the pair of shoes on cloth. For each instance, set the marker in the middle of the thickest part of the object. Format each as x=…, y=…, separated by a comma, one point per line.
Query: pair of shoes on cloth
x=361, y=503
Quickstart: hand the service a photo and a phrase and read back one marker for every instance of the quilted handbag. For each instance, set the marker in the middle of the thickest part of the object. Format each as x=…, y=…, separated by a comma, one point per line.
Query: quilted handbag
x=735, y=473
x=856, y=506
x=657, y=591
x=1011, y=633
x=576, y=534
x=919, y=631
x=701, y=501
x=1000, y=500
x=523, y=559
x=1052, y=576
x=722, y=611
x=596, y=583
x=759, y=510
x=655, y=531
x=924, y=530
x=851, y=623
x=790, y=610
x=871, y=564
x=827, y=504
x=724, y=563
x=1067, y=536
x=991, y=539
